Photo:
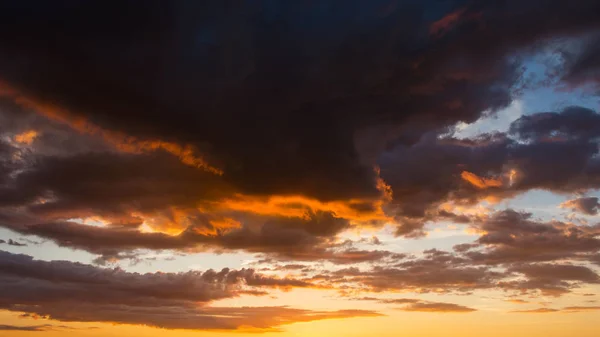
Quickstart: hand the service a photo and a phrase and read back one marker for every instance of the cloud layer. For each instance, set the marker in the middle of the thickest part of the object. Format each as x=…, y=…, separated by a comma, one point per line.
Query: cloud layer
x=68, y=291
x=275, y=129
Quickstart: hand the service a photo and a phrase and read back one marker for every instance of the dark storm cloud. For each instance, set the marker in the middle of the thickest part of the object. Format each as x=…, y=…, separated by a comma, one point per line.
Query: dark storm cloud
x=428, y=173
x=582, y=66
x=283, y=238
x=282, y=109
x=440, y=169
x=111, y=183
x=271, y=127
x=70, y=291
x=127, y=189
x=254, y=83
x=44, y=192
x=573, y=122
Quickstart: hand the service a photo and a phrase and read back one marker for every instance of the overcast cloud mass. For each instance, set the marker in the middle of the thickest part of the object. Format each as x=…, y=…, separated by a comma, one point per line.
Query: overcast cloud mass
x=242, y=166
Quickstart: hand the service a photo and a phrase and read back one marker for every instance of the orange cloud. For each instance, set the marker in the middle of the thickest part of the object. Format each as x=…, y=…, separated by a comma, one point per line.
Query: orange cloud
x=565, y=310
x=357, y=210
x=517, y=301
x=536, y=311
x=125, y=143
x=480, y=182
x=579, y=308
x=437, y=307
x=26, y=137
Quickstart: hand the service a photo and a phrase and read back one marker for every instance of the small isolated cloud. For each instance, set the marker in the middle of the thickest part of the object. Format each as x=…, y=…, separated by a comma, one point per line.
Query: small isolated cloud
x=585, y=205
x=45, y=327
x=12, y=242
x=413, y=304
x=581, y=308
x=437, y=307
x=516, y=301
x=571, y=309
x=536, y=311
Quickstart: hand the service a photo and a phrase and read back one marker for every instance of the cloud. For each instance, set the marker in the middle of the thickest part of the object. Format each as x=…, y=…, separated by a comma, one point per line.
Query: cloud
x=563, y=272
x=12, y=242
x=250, y=130
x=514, y=254
x=480, y=182
x=434, y=273
x=585, y=205
x=437, y=307
x=329, y=83
x=510, y=236
x=191, y=316
x=581, y=308
x=551, y=279
x=158, y=175
x=372, y=156
x=417, y=305
x=580, y=66
x=439, y=173
x=536, y=311
x=68, y=291
x=44, y=327
x=57, y=279
x=517, y=301
x=572, y=309
x=48, y=193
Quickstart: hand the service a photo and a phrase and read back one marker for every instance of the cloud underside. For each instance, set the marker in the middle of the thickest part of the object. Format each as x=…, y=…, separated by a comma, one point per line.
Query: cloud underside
x=73, y=292
x=250, y=130
x=189, y=317
x=232, y=165
x=45, y=327
x=416, y=305
x=437, y=307
x=563, y=310
x=153, y=201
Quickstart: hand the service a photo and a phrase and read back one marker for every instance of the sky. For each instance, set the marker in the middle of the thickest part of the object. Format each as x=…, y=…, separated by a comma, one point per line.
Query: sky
x=300, y=168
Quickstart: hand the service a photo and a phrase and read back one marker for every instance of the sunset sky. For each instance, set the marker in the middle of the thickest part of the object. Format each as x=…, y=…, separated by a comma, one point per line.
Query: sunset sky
x=300, y=168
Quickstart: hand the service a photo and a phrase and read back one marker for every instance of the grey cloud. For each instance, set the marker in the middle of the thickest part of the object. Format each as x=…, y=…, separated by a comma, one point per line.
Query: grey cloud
x=68, y=291
x=437, y=307
x=512, y=236
x=584, y=205
x=44, y=327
